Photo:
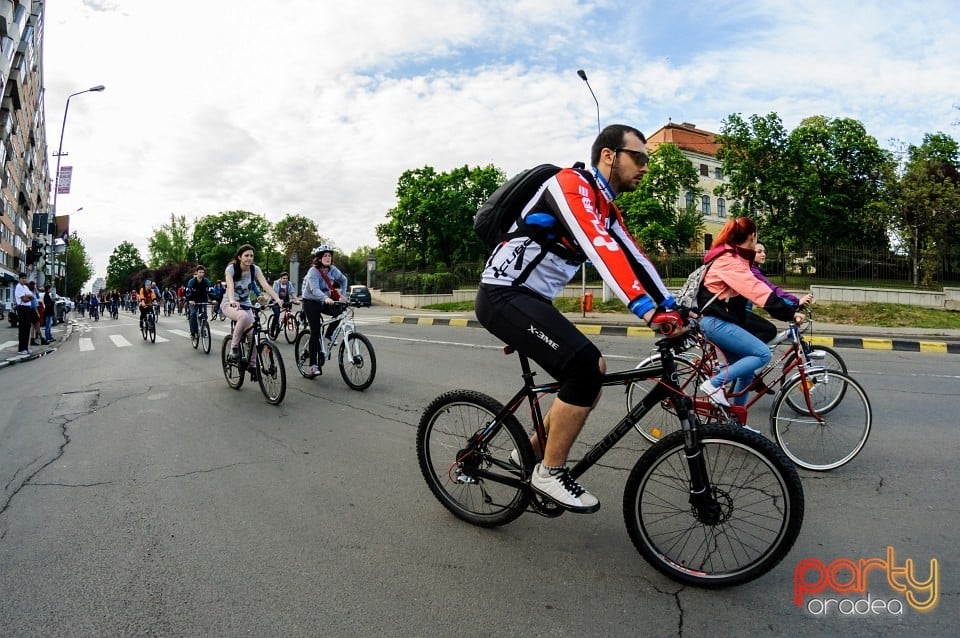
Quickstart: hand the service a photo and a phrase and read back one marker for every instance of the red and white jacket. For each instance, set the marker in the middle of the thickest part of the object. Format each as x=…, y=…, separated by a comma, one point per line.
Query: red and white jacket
x=588, y=226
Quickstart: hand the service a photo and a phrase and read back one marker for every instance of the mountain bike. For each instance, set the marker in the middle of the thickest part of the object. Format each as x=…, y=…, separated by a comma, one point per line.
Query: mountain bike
x=709, y=505
x=820, y=417
x=148, y=327
x=202, y=335
x=259, y=357
x=287, y=321
x=356, y=358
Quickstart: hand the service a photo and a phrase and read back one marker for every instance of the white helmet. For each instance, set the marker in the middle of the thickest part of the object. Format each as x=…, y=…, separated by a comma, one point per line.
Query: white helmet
x=321, y=249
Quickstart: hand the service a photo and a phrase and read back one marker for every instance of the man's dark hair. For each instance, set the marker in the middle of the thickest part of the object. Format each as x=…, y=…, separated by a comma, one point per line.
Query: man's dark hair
x=284, y=274
x=199, y=267
x=22, y=275
x=612, y=138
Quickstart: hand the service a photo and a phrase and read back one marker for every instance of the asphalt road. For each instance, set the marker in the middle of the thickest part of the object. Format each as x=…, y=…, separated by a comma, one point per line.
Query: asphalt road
x=143, y=497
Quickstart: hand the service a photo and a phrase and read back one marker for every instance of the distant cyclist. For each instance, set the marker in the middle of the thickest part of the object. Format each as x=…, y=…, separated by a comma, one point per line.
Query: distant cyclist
x=285, y=291
x=148, y=295
x=197, y=290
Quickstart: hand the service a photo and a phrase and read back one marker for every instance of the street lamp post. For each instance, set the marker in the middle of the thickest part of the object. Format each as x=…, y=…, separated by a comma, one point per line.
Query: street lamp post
x=56, y=187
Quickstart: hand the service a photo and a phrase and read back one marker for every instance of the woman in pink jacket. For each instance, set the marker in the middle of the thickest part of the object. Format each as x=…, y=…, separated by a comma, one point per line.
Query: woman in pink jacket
x=723, y=320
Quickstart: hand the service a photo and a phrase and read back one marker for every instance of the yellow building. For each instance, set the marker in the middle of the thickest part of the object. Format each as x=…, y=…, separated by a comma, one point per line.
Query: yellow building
x=701, y=149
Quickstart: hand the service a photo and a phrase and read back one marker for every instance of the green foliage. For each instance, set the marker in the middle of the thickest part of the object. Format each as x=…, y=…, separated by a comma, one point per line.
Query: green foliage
x=432, y=222
x=216, y=238
x=652, y=214
x=79, y=267
x=124, y=263
x=170, y=243
x=825, y=183
x=297, y=234
x=354, y=265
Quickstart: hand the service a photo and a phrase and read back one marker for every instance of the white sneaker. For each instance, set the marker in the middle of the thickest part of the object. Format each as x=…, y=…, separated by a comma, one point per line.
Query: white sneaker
x=717, y=395
x=557, y=485
x=750, y=429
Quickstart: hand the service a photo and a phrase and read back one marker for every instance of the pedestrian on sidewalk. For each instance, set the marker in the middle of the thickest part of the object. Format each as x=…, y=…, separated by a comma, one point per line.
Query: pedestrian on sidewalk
x=49, y=313
x=24, y=299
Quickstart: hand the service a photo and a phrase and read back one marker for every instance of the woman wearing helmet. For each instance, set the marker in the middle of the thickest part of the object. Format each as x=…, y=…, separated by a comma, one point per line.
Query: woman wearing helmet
x=319, y=296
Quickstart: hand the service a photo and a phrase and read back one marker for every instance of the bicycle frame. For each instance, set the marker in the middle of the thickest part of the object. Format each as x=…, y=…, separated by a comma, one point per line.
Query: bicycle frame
x=668, y=388
x=707, y=363
x=345, y=328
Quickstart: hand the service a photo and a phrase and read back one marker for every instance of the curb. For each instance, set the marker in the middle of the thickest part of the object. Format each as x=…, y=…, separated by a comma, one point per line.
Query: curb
x=869, y=343
x=23, y=358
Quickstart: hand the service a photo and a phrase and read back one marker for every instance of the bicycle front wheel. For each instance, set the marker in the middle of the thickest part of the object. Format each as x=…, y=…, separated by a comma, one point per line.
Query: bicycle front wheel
x=290, y=328
x=272, y=375
x=205, y=338
x=821, y=440
x=821, y=357
x=273, y=327
x=358, y=363
x=152, y=329
x=661, y=421
x=478, y=483
x=759, y=500
x=232, y=371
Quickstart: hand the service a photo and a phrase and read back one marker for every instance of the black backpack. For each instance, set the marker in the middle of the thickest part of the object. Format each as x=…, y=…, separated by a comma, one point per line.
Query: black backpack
x=497, y=214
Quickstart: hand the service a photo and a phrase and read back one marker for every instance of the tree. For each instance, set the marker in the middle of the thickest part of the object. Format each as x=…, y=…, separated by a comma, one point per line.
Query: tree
x=926, y=214
x=297, y=234
x=170, y=243
x=216, y=238
x=760, y=172
x=79, y=266
x=841, y=179
x=124, y=263
x=432, y=223
x=652, y=212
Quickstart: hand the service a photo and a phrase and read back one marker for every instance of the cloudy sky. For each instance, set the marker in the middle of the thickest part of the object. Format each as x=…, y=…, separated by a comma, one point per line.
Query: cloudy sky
x=316, y=107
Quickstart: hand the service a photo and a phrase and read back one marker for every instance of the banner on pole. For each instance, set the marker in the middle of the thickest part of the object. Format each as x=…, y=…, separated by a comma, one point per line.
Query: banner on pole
x=63, y=180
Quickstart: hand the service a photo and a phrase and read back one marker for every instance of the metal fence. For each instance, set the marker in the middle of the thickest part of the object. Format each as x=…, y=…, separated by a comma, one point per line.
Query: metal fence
x=824, y=266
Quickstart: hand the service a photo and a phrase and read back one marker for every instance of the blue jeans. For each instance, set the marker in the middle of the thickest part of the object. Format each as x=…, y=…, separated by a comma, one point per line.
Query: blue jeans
x=744, y=352
x=48, y=328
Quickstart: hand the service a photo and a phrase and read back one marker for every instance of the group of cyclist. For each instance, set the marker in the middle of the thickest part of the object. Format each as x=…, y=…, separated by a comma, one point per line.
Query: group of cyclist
x=572, y=219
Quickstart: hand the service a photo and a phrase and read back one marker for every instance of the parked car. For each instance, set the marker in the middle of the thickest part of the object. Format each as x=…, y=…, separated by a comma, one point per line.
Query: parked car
x=62, y=306
x=360, y=296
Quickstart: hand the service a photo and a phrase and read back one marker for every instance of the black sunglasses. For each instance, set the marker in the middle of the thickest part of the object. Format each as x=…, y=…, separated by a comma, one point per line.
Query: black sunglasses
x=639, y=157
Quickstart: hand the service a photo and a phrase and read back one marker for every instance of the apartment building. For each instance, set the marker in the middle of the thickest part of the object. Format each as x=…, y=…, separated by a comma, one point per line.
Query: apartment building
x=700, y=148
x=24, y=173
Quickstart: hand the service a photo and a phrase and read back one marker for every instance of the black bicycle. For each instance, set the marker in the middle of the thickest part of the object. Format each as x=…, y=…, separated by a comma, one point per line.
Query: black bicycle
x=264, y=363
x=709, y=505
x=148, y=325
x=202, y=335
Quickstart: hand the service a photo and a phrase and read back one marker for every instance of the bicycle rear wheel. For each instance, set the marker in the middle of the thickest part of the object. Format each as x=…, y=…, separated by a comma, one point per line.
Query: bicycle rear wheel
x=760, y=508
x=272, y=375
x=357, y=370
x=824, y=440
x=205, y=337
x=452, y=467
x=301, y=353
x=143, y=329
x=232, y=370
x=659, y=422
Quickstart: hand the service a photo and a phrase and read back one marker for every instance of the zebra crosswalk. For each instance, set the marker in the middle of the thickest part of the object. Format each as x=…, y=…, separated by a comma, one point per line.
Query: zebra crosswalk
x=123, y=335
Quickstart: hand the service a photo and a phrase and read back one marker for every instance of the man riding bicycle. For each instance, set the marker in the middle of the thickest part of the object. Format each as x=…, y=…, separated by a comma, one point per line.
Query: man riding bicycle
x=285, y=290
x=148, y=294
x=197, y=290
x=571, y=219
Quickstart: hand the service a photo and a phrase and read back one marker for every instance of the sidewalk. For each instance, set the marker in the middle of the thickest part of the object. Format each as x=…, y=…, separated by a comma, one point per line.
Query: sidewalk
x=8, y=342
x=941, y=341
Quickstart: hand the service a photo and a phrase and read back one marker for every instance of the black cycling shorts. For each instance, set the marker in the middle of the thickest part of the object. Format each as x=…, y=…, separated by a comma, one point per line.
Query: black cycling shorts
x=533, y=326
